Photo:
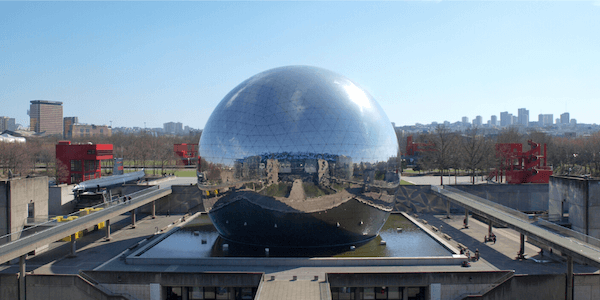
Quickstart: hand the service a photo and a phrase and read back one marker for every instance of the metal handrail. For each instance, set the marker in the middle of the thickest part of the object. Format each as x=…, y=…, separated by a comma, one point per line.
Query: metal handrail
x=541, y=223
x=7, y=238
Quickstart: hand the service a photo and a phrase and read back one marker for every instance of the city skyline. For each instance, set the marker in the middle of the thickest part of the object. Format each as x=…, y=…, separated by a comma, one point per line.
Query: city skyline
x=146, y=64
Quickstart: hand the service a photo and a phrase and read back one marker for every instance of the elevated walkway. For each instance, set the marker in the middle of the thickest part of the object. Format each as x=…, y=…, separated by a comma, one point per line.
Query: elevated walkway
x=31, y=240
x=525, y=224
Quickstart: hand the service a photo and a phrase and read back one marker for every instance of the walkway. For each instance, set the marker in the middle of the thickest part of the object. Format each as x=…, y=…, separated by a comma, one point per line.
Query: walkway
x=29, y=243
x=523, y=224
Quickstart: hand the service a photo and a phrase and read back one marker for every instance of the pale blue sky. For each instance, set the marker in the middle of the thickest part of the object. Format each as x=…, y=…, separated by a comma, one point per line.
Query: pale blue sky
x=423, y=61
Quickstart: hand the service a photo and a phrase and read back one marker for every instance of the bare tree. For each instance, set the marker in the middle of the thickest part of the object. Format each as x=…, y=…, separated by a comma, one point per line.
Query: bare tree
x=444, y=154
x=473, y=146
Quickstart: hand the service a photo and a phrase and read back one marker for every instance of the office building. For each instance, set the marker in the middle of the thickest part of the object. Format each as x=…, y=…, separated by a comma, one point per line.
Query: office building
x=494, y=120
x=564, y=118
x=68, y=123
x=545, y=120
x=506, y=119
x=523, y=117
x=7, y=123
x=173, y=127
x=46, y=117
x=85, y=130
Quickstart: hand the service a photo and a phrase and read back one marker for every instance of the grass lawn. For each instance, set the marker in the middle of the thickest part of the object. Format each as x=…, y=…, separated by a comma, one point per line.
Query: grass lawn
x=402, y=182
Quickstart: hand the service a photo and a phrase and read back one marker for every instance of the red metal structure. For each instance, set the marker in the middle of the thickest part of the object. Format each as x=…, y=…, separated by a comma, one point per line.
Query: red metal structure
x=522, y=167
x=412, y=148
x=81, y=161
x=188, y=153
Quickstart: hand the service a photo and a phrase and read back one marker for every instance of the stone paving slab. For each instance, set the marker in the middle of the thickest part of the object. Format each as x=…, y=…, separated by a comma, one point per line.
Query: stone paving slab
x=289, y=290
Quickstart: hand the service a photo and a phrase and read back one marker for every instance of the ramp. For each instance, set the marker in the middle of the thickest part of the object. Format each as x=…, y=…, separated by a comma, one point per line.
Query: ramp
x=292, y=290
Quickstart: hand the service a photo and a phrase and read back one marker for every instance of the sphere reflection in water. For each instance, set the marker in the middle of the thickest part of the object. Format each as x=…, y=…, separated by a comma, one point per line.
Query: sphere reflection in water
x=298, y=156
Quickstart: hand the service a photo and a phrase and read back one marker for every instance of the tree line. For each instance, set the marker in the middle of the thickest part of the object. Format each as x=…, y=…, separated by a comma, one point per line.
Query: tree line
x=144, y=150
x=474, y=153
x=469, y=150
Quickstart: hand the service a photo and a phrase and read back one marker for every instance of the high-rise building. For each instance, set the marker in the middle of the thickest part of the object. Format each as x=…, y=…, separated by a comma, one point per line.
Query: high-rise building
x=7, y=123
x=85, y=130
x=523, y=118
x=68, y=123
x=506, y=119
x=46, y=116
x=173, y=128
x=494, y=120
x=564, y=118
x=465, y=120
x=477, y=121
x=545, y=120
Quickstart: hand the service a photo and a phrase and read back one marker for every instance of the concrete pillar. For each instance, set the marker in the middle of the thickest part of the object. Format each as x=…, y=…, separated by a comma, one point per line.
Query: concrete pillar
x=569, y=295
x=489, y=228
x=107, y=230
x=466, y=221
x=22, y=275
x=133, y=218
x=185, y=293
x=521, y=254
x=153, y=209
x=73, y=246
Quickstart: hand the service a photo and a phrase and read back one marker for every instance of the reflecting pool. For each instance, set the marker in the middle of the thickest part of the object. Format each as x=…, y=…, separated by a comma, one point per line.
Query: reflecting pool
x=199, y=239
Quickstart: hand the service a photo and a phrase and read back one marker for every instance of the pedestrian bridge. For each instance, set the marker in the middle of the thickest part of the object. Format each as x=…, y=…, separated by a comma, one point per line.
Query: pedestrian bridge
x=571, y=243
x=21, y=243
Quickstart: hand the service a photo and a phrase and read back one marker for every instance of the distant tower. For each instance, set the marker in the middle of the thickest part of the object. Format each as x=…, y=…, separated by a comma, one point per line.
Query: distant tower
x=477, y=121
x=545, y=120
x=523, y=117
x=7, y=123
x=465, y=120
x=173, y=127
x=46, y=116
x=494, y=120
x=564, y=118
x=506, y=119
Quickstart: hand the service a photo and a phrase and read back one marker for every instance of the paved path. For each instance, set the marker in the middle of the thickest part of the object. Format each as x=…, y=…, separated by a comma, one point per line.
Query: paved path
x=435, y=180
x=289, y=290
x=92, y=249
x=503, y=254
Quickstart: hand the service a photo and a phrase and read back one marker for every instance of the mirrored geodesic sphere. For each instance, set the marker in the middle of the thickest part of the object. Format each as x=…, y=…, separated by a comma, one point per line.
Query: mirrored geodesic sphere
x=298, y=138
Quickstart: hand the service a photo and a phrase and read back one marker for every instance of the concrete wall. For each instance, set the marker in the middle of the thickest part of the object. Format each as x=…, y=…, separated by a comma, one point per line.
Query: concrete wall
x=63, y=287
x=182, y=199
x=15, y=196
x=547, y=287
x=453, y=284
x=4, y=216
x=587, y=286
x=523, y=197
x=421, y=199
x=580, y=198
x=135, y=279
x=9, y=286
x=61, y=200
x=530, y=197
